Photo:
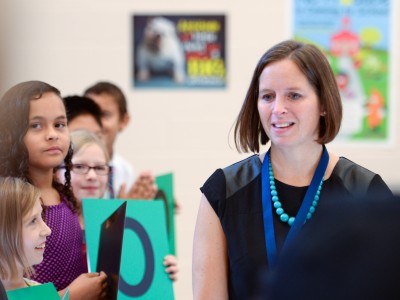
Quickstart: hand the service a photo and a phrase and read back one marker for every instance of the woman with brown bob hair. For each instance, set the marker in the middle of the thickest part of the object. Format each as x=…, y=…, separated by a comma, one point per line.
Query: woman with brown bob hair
x=252, y=210
x=249, y=132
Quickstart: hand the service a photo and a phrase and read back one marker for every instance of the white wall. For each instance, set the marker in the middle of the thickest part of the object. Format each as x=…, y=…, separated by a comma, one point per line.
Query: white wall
x=74, y=43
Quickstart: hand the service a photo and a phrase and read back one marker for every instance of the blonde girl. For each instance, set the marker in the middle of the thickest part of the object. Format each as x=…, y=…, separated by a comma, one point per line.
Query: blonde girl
x=23, y=232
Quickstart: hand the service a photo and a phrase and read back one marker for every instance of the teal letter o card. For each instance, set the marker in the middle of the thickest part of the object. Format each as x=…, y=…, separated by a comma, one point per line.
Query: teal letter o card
x=128, y=240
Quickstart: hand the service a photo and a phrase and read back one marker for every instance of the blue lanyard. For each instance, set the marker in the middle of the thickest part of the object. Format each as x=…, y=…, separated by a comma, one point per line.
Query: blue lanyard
x=301, y=216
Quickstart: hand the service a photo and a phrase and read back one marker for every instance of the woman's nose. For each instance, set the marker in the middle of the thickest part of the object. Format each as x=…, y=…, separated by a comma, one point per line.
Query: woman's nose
x=279, y=105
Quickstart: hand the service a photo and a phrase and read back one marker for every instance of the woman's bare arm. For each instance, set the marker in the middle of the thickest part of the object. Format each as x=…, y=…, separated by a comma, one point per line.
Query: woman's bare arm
x=210, y=259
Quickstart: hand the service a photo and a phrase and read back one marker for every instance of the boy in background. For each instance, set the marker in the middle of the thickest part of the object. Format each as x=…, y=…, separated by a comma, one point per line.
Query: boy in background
x=115, y=118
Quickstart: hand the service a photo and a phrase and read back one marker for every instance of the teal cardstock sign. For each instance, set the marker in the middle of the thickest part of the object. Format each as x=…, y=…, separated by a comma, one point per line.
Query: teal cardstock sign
x=142, y=273
x=165, y=183
x=43, y=291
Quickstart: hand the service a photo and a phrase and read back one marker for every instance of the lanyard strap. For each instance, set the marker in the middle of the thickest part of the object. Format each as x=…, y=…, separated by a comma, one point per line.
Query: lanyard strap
x=270, y=241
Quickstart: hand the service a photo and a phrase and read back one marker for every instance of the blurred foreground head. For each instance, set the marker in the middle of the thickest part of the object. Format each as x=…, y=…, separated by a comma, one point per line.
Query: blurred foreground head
x=352, y=253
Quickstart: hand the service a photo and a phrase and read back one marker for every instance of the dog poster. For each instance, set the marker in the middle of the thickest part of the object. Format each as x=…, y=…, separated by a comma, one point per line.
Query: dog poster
x=179, y=51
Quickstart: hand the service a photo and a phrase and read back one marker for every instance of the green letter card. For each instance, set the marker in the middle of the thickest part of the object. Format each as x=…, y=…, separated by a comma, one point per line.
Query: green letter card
x=43, y=291
x=165, y=192
x=127, y=239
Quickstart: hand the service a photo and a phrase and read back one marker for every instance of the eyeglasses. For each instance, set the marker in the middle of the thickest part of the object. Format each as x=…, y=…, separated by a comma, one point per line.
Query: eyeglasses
x=83, y=169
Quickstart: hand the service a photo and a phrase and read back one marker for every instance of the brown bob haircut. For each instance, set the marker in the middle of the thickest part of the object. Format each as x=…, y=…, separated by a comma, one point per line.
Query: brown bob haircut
x=249, y=132
x=17, y=198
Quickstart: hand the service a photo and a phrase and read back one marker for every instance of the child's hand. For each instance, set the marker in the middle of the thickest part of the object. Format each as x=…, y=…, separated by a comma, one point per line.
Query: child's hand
x=171, y=266
x=89, y=286
x=143, y=188
x=177, y=206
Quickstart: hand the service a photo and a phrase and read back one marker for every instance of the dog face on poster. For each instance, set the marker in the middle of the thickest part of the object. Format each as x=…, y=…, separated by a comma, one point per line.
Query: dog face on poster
x=160, y=51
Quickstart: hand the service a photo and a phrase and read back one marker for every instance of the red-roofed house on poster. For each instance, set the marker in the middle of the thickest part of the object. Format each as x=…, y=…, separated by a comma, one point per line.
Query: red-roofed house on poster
x=345, y=42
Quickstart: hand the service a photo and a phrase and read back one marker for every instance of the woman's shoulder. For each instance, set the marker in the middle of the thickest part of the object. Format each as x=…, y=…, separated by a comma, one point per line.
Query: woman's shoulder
x=345, y=168
x=250, y=164
x=225, y=182
x=358, y=179
x=235, y=175
x=242, y=172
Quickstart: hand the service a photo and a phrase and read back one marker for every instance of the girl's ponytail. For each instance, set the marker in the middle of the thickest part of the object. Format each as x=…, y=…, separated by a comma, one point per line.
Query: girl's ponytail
x=66, y=188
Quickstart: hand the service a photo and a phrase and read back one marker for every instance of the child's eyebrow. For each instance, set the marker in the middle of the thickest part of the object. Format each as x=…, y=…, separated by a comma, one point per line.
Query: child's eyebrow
x=62, y=117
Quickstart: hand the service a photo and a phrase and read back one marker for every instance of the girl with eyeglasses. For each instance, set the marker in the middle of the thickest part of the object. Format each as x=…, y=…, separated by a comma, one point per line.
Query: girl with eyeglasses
x=89, y=170
x=89, y=178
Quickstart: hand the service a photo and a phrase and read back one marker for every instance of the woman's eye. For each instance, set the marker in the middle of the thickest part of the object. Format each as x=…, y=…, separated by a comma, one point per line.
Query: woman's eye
x=295, y=96
x=267, y=97
x=34, y=221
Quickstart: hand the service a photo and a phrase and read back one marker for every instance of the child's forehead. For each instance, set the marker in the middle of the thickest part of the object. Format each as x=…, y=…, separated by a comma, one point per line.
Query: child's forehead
x=47, y=96
x=105, y=96
x=50, y=101
x=90, y=152
x=85, y=121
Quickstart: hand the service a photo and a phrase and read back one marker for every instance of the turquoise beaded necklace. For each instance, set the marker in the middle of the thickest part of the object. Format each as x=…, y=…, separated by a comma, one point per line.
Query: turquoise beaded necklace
x=283, y=216
x=313, y=190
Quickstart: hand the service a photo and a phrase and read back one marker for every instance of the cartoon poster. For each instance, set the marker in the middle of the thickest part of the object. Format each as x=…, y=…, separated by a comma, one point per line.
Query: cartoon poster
x=355, y=36
x=179, y=51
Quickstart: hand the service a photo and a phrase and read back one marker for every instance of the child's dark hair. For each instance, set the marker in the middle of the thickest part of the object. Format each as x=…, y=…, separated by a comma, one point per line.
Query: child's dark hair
x=14, y=123
x=79, y=105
